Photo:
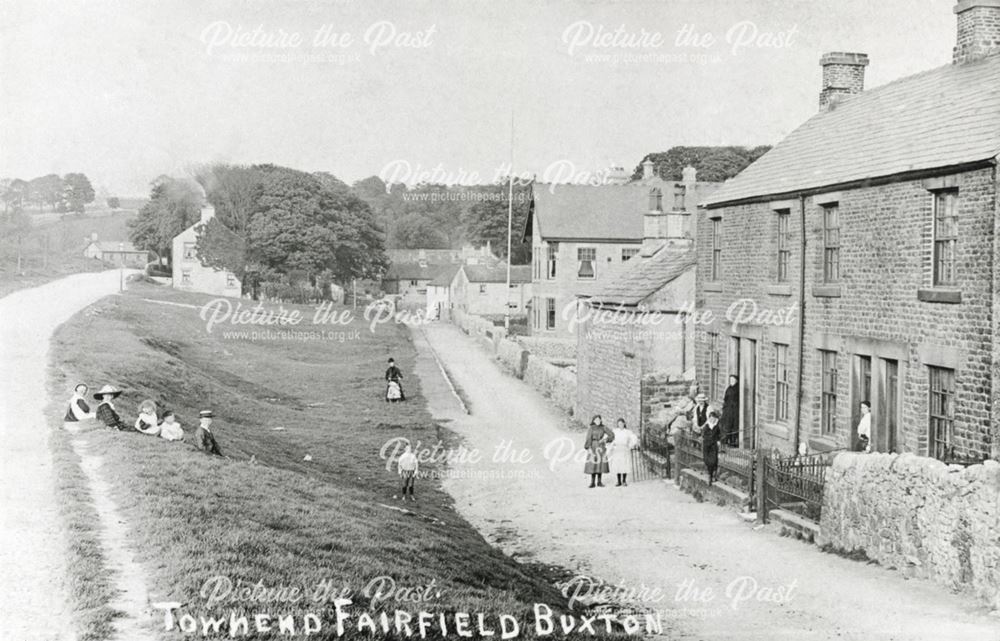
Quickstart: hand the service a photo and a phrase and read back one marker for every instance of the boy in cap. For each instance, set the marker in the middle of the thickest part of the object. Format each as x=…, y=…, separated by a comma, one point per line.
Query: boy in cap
x=204, y=440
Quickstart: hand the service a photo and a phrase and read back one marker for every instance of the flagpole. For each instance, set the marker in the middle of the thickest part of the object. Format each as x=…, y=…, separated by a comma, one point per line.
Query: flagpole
x=510, y=220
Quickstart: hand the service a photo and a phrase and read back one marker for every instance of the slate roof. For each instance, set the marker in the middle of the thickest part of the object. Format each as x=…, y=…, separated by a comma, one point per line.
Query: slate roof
x=645, y=276
x=113, y=246
x=497, y=274
x=939, y=118
x=414, y=271
x=591, y=212
x=444, y=278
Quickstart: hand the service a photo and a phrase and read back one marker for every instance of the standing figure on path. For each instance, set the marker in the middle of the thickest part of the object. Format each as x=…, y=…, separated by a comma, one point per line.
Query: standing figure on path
x=598, y=437
x=204, y=440
x=106, y=410
x=620, y=459
x=78, y=409
x=148, y=422
x=393, y=383
x=865, y=428
x=710, y=436
x=730, y=424
x=407, y=466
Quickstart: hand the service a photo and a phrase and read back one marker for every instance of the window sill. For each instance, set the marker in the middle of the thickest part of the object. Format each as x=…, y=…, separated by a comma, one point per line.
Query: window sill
x=779, y=430
x=779, y=290
x=826, y=291
x=823, y=443
x=939, y=295
x=714, y=286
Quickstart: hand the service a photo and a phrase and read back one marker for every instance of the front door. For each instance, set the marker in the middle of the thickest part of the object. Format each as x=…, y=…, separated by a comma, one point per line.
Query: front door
x=885, y=426
x=862, y=391
x=748, y=392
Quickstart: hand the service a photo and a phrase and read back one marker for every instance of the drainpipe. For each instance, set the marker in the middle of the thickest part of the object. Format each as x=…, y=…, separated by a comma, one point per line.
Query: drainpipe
x=802, y=321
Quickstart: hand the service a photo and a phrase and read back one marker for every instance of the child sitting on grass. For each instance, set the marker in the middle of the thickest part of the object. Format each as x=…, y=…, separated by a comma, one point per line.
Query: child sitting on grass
x=170, y=429
x=407, y=466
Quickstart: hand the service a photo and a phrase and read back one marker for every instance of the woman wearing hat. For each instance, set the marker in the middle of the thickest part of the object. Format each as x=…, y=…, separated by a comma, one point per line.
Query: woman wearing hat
x=106, y=410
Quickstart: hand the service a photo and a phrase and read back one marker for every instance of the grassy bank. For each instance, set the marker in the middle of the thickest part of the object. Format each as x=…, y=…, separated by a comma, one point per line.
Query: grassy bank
x=54, y=248
x=265, y=513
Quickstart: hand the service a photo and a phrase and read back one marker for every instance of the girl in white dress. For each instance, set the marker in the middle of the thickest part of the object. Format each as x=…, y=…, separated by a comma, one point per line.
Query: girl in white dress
x=148, y=423
x=621, y=447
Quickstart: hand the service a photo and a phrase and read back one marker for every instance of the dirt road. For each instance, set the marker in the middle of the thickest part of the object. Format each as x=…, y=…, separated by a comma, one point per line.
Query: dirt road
x=717, y=577
x=31, y=543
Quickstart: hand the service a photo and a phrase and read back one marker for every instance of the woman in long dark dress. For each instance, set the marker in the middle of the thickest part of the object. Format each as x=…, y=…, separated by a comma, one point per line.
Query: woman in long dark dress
x=394, y=383
x=710, y=435
x=729, y=425
x=598, y=437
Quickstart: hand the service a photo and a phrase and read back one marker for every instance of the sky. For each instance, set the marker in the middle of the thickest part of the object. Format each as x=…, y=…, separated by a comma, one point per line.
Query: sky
x=127, y=90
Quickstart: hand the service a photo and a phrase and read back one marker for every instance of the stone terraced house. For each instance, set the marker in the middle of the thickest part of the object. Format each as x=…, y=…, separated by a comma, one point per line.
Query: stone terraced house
x=859, y=258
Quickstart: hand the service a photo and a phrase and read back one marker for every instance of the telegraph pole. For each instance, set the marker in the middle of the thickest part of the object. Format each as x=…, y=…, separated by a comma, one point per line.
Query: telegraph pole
x=510, y=220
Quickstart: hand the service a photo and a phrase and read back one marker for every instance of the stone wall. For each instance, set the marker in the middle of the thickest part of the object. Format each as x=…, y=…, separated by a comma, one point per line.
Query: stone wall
x=556, y=383
x=920, y=516
x=661, y=396
x=563, y=349
x=609, y=372
x=512, y=357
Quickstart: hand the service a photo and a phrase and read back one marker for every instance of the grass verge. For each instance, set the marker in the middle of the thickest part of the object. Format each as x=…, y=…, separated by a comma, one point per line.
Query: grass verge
x=266, y=514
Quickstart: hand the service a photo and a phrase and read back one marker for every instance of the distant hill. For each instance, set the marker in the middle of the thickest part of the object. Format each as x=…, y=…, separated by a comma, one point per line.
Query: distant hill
x=714, y=164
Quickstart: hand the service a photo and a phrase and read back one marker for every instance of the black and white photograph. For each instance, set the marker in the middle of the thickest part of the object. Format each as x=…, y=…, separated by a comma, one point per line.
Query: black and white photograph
x=500, y=320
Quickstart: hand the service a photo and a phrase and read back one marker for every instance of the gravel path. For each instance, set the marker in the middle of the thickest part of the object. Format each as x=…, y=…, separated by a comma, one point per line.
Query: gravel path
x=31, y=534
x=654, y=536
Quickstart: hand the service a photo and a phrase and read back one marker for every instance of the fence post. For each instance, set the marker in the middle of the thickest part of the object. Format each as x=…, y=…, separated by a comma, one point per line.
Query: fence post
x=760, y=489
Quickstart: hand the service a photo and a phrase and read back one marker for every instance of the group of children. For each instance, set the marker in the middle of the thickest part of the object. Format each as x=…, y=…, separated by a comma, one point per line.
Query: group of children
x=150, y=423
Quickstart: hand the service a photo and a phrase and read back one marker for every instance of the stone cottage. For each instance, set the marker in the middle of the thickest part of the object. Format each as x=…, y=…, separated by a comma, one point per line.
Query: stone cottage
x=482, y=290
x=856, y=262
x=582, y=237
x=188, y=272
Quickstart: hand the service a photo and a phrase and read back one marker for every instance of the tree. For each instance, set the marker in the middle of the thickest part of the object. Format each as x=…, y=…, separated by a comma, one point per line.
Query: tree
x=233, y=191
x=114, y=202
x=486, y=220
x=312, y=224
x=46, y=190
x=714, y=164
x=15, y=195
x=173, y=206
x=78, y=192
x=418, y=231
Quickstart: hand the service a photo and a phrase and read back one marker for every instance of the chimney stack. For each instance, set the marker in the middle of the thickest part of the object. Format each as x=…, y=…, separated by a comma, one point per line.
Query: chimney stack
x=647, y=169
x=616, y=175
x=978, y=30
x=207, y=213
x=690, y=175
x=843, y=75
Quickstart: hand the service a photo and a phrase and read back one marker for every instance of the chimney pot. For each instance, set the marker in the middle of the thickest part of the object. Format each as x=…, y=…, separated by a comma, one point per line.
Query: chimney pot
x=647, y=169
x=843, y=75
x=978, y=30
